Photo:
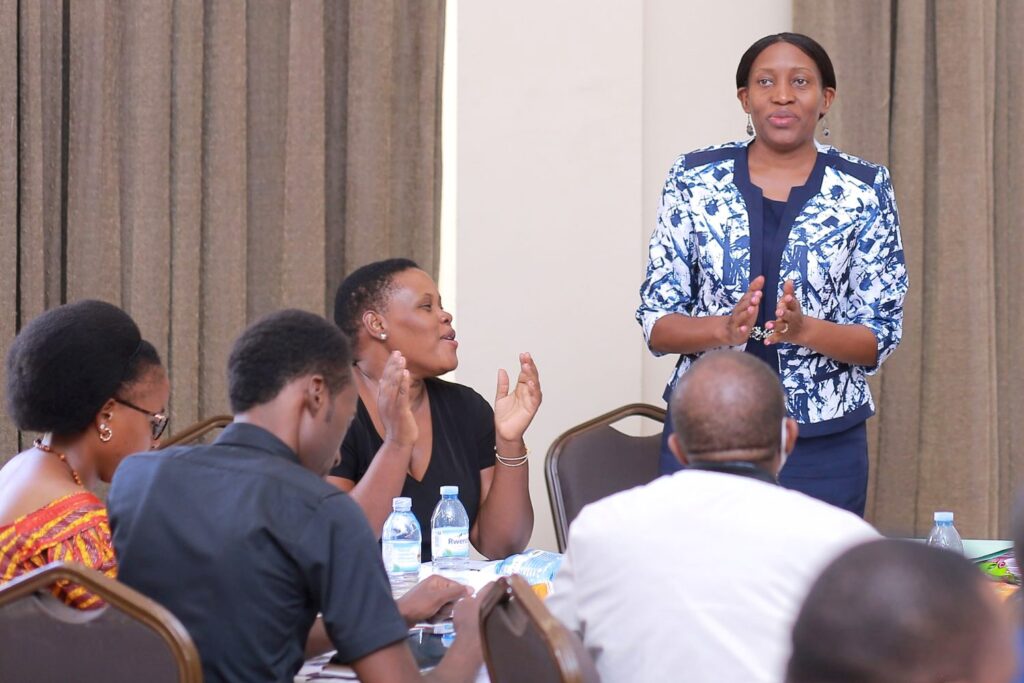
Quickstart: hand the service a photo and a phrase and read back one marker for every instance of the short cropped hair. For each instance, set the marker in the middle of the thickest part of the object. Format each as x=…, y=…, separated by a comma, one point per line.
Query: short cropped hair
x=281, y=347
x=365, y=289
x=66, y=363
x=728, y=401
x=891, y=612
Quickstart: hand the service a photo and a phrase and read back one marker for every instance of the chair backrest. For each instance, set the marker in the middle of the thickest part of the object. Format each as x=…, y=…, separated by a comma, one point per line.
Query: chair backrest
x=131, y=638
x=522, y=641
x=594, y=460
x=196, y=431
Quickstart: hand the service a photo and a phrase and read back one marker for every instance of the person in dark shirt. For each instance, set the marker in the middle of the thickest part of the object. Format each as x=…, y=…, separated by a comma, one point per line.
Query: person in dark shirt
x=392, y=313
x=245, y=542
x=897, y=612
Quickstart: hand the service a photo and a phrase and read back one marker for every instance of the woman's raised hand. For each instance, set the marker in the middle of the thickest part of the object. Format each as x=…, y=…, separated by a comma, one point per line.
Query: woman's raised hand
x=514, y=410
x=393, y=403
x=739, y=323
x=789, y=318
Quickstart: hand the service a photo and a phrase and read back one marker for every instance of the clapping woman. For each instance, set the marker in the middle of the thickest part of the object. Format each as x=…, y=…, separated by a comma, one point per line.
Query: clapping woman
x=789, y=250
x=414, y=432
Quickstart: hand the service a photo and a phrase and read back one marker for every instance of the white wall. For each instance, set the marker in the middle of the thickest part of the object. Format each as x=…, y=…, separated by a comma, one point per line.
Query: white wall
x=691, y=49
x=568, y=114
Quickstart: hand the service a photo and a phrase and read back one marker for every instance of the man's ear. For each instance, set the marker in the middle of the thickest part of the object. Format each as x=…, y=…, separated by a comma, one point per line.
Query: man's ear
x=677, y=449
x=792, y=431
x=316, y=394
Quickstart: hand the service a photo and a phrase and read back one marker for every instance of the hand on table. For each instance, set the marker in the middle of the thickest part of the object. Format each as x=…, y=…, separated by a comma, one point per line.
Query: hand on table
x=393, y=403
x=515, y=410
x=789, y=318
x=739, y=323
x=432, y=597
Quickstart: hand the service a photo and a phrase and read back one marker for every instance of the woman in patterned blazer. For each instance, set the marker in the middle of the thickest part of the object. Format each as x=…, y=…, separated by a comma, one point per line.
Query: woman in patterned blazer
x=790, y=250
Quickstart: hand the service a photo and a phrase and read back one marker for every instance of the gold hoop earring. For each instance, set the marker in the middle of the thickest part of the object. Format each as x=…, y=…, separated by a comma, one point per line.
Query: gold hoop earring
x=106, y=433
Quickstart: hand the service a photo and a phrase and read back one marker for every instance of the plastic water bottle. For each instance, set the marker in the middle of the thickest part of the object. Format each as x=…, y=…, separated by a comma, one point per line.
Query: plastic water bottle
x=400, y=546
x=449, y=533
x=944, y=534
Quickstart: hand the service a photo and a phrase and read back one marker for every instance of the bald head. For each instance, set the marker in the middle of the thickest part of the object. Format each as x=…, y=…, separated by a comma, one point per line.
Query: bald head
x=728, y=406
x=901, y=612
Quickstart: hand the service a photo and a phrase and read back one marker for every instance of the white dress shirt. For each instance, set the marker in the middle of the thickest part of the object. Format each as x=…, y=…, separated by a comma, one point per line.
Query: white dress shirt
x=697, y=577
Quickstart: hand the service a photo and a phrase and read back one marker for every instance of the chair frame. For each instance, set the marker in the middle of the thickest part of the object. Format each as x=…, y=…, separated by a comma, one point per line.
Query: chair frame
x=117, y=596
x=551, y=475
x=196, y=430
x=555, y=635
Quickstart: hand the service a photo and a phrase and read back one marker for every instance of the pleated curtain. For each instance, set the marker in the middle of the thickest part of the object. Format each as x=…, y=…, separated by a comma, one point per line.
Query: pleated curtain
x=204, y=163
x=933, y=90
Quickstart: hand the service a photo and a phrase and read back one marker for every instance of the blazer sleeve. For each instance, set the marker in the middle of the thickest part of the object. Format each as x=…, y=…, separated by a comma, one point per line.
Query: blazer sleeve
x=878, y=277
x=669, y=282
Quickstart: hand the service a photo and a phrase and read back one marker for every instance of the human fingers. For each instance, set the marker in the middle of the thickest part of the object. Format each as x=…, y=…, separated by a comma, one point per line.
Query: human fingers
x=502, y=390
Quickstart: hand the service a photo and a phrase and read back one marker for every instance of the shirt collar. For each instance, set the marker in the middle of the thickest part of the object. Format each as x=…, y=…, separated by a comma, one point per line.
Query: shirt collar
x=253, y=437
x=737, y=467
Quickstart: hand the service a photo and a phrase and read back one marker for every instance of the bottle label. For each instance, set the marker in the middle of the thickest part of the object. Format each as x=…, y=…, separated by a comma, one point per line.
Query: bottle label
x=450, y=542
x=401, y=557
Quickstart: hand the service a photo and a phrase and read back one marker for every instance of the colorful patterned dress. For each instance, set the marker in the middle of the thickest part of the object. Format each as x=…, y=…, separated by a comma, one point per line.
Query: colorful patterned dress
x=73, y=528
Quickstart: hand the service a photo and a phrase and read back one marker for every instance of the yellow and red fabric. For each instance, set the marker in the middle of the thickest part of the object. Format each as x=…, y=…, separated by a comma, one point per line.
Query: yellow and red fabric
x=73, y=528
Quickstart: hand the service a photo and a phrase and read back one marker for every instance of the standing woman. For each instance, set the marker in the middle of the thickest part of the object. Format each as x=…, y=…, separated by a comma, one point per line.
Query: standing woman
x=413, y=432
x=788, y=250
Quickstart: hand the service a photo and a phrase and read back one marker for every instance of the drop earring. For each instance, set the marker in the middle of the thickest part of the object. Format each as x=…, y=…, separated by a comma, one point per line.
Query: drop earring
x=750, y=126
x=825, y=132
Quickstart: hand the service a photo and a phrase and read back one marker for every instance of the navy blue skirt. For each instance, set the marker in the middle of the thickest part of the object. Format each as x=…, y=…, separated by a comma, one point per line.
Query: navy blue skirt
x=832, y=468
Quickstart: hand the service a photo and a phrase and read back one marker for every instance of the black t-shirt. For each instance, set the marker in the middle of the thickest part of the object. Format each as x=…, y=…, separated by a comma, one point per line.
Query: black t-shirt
x=463, y=426
x=245, y=546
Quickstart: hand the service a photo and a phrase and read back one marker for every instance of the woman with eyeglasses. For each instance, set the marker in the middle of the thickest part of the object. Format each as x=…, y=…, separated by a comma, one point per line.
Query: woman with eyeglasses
x=81, y=375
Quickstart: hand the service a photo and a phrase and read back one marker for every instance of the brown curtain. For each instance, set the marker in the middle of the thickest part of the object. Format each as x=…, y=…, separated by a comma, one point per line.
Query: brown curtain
x=201, y=164
x=931, y=89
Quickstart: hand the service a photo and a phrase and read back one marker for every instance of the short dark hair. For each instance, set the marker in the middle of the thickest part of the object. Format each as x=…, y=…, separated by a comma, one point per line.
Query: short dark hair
x=728, y=401
x=66, y=363
x=364, y=289
x=888, y=612
x=807, y=45
x=281, y=347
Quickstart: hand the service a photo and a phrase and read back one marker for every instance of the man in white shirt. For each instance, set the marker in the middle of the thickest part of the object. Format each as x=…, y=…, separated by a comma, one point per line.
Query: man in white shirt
x=699, y=576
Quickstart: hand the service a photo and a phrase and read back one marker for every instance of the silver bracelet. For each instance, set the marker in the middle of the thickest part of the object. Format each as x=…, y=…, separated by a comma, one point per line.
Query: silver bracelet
x=511, y=462
x=517, y=461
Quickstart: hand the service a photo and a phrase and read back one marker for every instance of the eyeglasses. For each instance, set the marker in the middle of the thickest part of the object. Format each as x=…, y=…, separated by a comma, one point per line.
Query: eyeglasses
x=157, y=421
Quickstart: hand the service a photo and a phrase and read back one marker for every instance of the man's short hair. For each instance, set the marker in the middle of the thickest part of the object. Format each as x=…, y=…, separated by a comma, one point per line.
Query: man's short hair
x=281, y=347
x=728, y=401
x=891, y=612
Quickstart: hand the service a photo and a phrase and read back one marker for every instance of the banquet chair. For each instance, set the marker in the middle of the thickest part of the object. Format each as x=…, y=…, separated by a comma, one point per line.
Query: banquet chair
x=131, y=638
x=196, y=431
x=522, y=641
x=594, y=460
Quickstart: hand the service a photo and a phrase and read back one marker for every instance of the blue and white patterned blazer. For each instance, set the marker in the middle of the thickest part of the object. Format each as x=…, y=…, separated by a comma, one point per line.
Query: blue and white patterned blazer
x=843, y=252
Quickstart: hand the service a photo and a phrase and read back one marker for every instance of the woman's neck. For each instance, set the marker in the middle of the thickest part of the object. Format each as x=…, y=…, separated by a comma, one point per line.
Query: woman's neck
x=368, y=372
x=761, y=154
x=77, y=456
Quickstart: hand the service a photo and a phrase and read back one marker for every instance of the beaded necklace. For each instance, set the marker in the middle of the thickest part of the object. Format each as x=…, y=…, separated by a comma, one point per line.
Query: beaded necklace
x=63, y=458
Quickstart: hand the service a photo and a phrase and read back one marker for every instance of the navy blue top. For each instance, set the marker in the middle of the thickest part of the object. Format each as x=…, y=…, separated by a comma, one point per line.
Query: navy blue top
x=770, y=265
x=244, y=545
x=463, y=431
x=770, y=223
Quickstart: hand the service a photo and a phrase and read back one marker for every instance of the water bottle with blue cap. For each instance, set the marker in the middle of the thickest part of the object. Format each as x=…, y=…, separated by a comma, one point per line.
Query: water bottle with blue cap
x=944, y=534
x=449, y=533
